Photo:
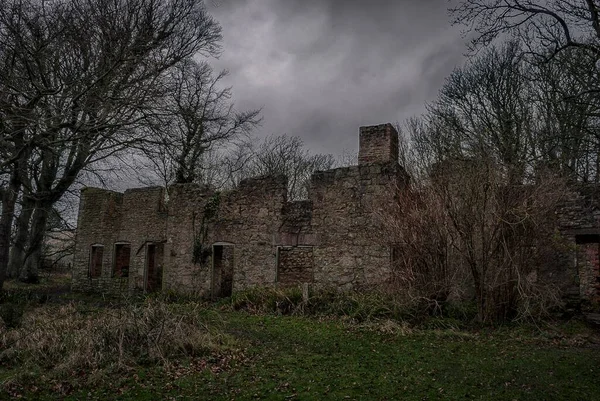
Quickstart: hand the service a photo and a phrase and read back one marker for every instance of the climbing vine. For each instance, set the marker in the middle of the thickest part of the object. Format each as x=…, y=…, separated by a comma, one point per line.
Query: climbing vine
x=201, y=251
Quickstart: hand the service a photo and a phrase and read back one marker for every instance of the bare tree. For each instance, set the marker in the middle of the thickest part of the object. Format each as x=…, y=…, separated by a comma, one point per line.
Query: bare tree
x=499, y=105
x=470, y=231
x=425, y=269
x=566, y=130
x=76, y=79
x=484, y=109
x=487, y=145
x=548, y=26
x=195, y=115
x=280, y=154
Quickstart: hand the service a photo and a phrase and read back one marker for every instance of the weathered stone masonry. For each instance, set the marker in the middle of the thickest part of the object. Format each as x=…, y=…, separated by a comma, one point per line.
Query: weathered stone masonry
x=109, y=219
x=579, y=224
x=209, y=243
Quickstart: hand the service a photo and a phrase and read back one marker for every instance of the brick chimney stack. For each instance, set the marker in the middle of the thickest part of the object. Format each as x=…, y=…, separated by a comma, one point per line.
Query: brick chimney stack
x=378, y=144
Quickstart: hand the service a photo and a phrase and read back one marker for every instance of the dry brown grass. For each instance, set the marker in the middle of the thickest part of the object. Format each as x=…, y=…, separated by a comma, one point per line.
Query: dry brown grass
x=68, y=339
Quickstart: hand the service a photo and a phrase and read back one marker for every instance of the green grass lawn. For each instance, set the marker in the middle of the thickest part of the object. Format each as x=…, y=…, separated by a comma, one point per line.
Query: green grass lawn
x=305, y=359
x=300, y=358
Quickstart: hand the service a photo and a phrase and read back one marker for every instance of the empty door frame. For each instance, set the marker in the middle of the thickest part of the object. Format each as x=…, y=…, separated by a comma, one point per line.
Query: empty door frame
x=214, y=292
x=121, y=262
x=155, y=256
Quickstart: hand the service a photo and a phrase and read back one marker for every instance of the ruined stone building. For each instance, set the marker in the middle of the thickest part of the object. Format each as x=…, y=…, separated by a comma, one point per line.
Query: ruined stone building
x=200, y=241
x=578, y=270
x=211, y=243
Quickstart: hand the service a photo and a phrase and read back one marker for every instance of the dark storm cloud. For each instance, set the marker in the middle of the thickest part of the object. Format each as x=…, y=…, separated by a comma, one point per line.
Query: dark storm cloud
x=321, y=68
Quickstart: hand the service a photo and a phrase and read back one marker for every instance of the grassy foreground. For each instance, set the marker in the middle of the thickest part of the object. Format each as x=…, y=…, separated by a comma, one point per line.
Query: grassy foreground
x=236, y=355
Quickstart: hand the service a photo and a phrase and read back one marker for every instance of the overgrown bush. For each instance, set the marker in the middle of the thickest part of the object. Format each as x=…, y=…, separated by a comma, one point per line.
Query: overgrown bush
x=469, y=234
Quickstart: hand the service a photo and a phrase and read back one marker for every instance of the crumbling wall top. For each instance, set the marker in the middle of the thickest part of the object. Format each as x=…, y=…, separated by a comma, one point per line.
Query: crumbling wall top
x=265, y=182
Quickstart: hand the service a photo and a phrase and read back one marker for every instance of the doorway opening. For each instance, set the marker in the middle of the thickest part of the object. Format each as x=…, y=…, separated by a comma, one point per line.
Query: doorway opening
x=122, y=257
x=153, y=271
x=222, y=270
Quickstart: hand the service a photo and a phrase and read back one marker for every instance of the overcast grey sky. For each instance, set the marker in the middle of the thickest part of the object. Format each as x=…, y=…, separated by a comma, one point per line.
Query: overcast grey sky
x=321, y=68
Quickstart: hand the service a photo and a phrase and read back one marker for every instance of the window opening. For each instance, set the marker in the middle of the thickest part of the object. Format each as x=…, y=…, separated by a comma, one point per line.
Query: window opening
x=96, y=254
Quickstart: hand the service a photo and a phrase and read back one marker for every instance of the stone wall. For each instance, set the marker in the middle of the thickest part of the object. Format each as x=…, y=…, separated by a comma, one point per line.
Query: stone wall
x=108, y=218
x=209, y=243
x=248, y=218
x=332, y=239
x=295, y=265
x=100, y=212
x=296, y=224
x=184, y=232
x=577, y=268
x=588, y=265
x=352, y=250
x=143, y=221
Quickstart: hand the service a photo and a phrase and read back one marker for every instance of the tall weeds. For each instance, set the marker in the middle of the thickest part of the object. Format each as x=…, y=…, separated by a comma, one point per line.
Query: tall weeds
x=68, y=339
x=356, y=306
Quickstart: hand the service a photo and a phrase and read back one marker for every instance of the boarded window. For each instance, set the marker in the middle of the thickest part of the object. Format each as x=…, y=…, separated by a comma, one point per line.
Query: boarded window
x=96, y=261
x=121, y=264
x=294, y=265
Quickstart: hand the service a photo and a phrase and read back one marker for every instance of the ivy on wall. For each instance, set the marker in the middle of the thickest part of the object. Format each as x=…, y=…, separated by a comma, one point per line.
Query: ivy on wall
x=201, y=251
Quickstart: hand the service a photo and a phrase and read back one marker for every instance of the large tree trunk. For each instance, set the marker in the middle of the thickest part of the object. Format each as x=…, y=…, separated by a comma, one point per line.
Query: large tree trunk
x=17, y=251
x=9, y=200
x=33, y=257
